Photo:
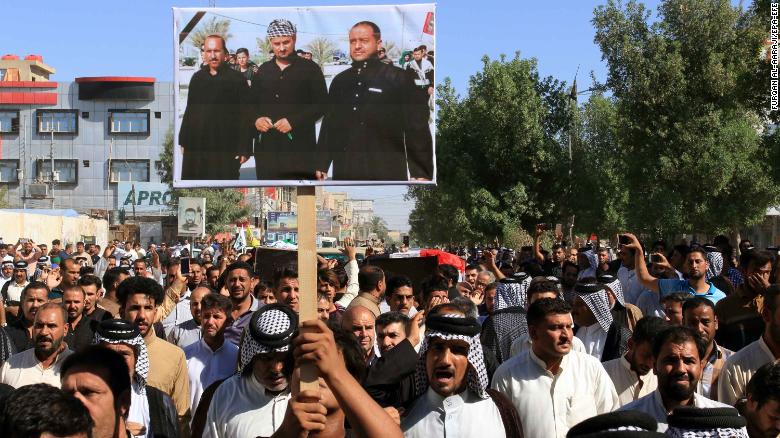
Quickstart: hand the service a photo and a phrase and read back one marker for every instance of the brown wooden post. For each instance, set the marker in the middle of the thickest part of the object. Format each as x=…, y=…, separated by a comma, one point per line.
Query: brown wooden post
x=307, y=272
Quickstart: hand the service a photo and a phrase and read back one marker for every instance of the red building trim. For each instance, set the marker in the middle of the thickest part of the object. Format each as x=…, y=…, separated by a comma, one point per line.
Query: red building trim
x=27, y=84
x=21, y=98
x=115, y=79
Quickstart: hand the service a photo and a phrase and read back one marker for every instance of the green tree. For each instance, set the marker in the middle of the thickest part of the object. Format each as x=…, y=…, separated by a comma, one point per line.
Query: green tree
x=689, y=113
x=213, y=26
x=223, y=206
x=499, y=156
x=322, y=50
x=599, y=197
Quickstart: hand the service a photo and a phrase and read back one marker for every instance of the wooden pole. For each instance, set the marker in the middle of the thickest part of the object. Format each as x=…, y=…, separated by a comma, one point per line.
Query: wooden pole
x=307, y=272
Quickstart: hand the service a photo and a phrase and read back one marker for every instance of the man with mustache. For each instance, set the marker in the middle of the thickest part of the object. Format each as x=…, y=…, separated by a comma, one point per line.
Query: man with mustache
x=211, y=358
x=451, y=377
x=238, y=280
x=761, y=405
x=286, y=287
x=33, y=296
x=603, y=337
x=92, y=286
x=189, y=332
x=540, y=287
x=139, y=298
x=289, y=95
x=12, y=289
x=79, y=326
x=399, y=296
x=699, y=314
x=677, y=352
x=630, y=373
x=697, y=265
x=361, y=322
x=552, y=387
x=215, y=136
x=125, y=339
x=356, y=133
x=253, y=402
x=741, y=366
x=42, y=363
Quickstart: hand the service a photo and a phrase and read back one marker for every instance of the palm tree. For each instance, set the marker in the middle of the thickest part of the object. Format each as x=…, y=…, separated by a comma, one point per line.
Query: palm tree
x=322, y=50
x=379, y=226
x=211, y=27
x=264, y=47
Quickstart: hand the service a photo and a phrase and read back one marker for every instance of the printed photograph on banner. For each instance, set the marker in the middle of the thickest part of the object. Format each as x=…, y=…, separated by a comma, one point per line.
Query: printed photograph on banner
x=192, y=216
x=331, y=95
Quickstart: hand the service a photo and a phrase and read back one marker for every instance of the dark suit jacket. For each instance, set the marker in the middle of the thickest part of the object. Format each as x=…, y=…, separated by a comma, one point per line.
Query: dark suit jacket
x=372, y=127
x=298, y=94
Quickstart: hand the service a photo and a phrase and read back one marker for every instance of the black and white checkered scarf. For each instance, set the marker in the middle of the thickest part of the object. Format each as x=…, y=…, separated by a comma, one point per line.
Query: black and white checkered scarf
x=595, y=297
x=476, y=376
x=281, y=27
x=613, y=284
x=715, y=259
x=270, y=330
x=511, y=293
x=141, y=361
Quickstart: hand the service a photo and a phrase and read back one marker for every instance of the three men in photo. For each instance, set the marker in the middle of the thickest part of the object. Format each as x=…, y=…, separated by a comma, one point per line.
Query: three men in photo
x=375, y=117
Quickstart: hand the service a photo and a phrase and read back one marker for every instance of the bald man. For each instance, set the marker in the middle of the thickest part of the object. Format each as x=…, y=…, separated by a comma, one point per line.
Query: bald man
x=360, y=321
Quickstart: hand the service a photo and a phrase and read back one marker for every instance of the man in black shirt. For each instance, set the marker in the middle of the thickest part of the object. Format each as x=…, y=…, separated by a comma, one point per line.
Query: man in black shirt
x=371, y=128
x=80, y=330
x=214, y=136
x=289, y=94
x=34, y=295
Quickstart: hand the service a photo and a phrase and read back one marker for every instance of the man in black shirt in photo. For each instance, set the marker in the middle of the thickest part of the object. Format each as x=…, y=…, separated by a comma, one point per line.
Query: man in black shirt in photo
x=288, y=94
x=215, y=138
x=372, y=129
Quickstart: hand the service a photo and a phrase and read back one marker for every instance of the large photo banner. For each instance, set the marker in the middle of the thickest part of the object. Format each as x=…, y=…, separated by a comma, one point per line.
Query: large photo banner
x=331, y=95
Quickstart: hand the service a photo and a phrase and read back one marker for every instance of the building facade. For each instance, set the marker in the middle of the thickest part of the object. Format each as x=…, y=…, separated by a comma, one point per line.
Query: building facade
x=71, y=144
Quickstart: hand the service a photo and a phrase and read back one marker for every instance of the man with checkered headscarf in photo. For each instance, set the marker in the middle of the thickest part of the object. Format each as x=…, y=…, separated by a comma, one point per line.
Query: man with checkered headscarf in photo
x=253, y=402
x=152, y=412
x=603, y=337
x=451, y=383
x=288, y=98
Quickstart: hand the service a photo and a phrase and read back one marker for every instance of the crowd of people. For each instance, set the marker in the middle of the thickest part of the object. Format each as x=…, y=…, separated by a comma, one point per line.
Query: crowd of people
x=569, y=341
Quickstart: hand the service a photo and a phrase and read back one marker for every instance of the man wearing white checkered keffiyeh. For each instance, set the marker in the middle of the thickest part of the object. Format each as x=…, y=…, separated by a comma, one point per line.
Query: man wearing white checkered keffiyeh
x=289, y=97
x=507, y=322
x=451, y=382
x=603, y=339
x=253, y=401
x=125, y=338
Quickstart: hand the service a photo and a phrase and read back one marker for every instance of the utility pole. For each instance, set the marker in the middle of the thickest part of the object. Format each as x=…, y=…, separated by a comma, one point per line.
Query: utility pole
x=22, y=160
